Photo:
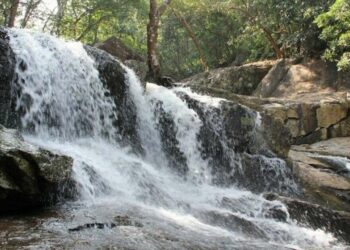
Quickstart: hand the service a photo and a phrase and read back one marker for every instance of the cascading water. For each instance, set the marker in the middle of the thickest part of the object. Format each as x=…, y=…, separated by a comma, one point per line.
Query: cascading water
x=66, y=108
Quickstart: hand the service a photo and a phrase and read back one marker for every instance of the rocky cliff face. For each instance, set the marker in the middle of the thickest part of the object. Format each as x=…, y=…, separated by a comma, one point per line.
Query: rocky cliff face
x=8, y=116
x=305, y=109
x=112, y=75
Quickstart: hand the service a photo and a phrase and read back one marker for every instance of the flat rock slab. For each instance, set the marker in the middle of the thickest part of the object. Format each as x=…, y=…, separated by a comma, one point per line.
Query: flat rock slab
x=323, y=170
x=331, y=147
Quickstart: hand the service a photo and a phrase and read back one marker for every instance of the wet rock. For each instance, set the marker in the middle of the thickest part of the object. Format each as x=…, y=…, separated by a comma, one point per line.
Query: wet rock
x=31, y=176
x=118, y=221
x=277, y=213
x=170, y=144
x=128, y=56
x=232, y=143
x=139, y=67
x=112, y=75
x=316, y=216
x=95, y=225
x=121, y=220
x=8, y=114
x=273, y=210
x=233, y=222
x=261, y=173
x=221, y=144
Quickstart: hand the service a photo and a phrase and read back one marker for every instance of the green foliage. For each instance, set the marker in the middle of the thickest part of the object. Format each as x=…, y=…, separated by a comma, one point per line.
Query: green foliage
x=92, y=21
x=228, y=31
x=5, y=6
x=335, y=26
x=236, y=31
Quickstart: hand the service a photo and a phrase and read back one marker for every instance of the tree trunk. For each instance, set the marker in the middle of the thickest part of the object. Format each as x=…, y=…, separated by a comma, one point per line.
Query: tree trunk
x=13, y=13
x=193, y=37
x=61, y=7
x=154, y=72
x=152, y=39
x=30, y=8
x=278, y=52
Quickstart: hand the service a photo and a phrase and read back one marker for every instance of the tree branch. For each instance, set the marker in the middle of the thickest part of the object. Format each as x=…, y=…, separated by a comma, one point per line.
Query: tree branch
x=163, y=7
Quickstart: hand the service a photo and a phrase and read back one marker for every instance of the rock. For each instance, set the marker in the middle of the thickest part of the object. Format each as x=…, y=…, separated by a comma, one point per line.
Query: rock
x=309, y=118
x=139, y=67
x=8, y=115
x=342, y=129
x=277, y=135
x=119, y=220
x=273, y=78
x=232, y=144
x=30, y=176
x=222, y=122
x=117, y=48
x=261, y=174
x=233, y=222
x=316, y=216
x=124, y=220
x=95, y=225
x=291, y=78
x=330, y=113
x=170, y=145
x=274, y=210
x=235, y=79
x=128, y=56
x=112, y=75
x=322, y=170
x=332, y=147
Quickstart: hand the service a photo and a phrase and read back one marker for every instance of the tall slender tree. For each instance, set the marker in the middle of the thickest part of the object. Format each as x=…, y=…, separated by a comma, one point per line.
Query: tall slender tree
x=155, y=13
x=13, y=13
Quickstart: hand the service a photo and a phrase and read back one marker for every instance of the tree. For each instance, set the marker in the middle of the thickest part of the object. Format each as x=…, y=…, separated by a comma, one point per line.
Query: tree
x=30, y=7
x=188, y=28
x=61, y=7
x=335, y=25
x=155, y=13
x=13, y=13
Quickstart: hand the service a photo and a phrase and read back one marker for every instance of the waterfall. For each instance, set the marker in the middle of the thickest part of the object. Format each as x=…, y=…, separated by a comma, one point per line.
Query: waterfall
x=66, y=108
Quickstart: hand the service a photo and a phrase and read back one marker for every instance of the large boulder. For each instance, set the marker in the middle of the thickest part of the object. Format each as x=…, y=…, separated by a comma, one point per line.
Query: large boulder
x=290, y=78
x=128, y=56
x=324, y=170
x=30, y=176
x=117, y=48
x=316, y=216
x=235, y=79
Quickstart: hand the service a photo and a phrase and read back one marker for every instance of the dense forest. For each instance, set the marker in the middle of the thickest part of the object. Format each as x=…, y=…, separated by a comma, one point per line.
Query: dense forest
x=189, y=36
